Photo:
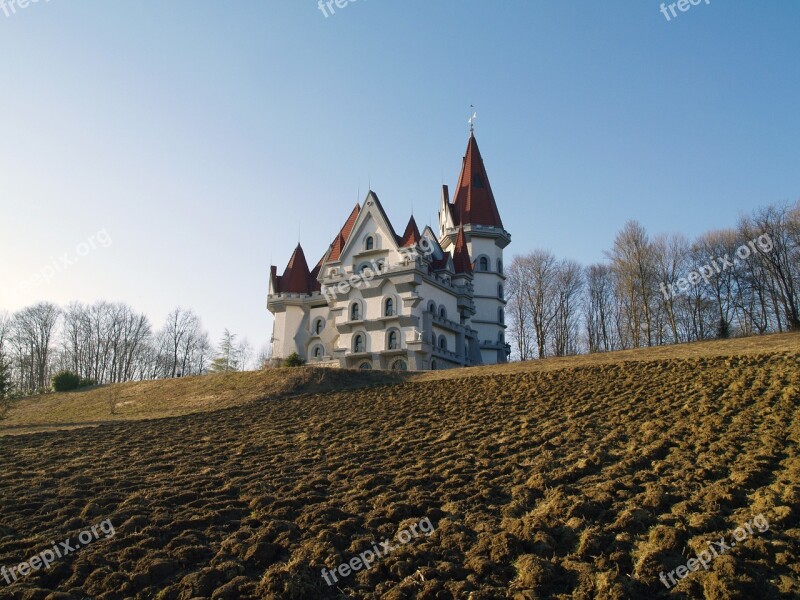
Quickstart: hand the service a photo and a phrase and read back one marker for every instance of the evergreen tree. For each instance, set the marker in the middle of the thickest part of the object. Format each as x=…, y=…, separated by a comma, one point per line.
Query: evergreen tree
x=226, y=359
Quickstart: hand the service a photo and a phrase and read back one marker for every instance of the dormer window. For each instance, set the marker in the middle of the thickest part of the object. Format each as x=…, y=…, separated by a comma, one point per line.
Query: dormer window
x=369, y=244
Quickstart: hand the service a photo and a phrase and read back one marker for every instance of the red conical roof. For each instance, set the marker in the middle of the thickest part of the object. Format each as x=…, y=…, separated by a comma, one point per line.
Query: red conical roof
x=411, y=235
x=474, y=202
x=295, y=278
x=461, y=260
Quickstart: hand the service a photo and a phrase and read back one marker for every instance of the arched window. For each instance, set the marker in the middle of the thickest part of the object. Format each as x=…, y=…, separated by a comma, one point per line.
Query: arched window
x=432, y=307
x=358, y=343
x=399, y=365
x=433, y=365
x=442, y=312
x=370, y=243
x=318, y=352
x=365, y=366
x=354, y=312
x=500, y=314
x=319, y=325
x=393, y=343
x=483, y=264
x=433, y=339
x=499, y=266
x=389, y=308
x=500, y=291
x=442, y=342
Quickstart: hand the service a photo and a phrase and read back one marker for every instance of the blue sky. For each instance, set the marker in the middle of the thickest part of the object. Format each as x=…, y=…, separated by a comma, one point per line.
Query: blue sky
x=206, y=138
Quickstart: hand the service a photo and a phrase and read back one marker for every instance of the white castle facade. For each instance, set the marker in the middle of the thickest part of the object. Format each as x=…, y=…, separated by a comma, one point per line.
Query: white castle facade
x=378, y=300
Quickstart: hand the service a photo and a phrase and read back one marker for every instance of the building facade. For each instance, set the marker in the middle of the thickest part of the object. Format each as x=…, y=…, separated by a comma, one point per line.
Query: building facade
x=379, y=300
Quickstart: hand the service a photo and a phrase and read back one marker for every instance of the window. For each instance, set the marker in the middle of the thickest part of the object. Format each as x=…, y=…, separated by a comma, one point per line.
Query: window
x=370, y=243
x=433, y=340
x=354, y=312
x=477, y=181
x=399, y=365
x=365, y=366
x=432, y=307
x=442, y=312
x=433, y=365
x=318, y=352
x=499, y=266
x=442, y=342
x=389, y=309
x=500, y=291
x=500, y=314
x=393, y=343
x=319, y=324
x=358, y=343
x=483, y=265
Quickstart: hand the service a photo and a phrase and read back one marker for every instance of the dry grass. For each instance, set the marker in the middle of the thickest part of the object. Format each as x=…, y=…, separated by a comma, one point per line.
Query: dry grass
x=571, y=478
x=175, y=397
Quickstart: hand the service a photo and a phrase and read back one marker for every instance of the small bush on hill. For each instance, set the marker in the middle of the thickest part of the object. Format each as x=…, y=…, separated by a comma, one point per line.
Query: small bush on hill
x=64, y=381
x=293, y=360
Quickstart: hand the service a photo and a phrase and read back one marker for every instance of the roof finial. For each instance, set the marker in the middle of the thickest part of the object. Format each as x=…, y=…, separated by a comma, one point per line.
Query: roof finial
x=472, y=118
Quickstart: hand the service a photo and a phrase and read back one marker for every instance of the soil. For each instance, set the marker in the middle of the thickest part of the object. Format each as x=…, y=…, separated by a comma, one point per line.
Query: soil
x=574, y=482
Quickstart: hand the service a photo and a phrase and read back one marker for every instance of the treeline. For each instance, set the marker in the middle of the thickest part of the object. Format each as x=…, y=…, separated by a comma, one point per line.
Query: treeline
x=106, y=342
x=660, y=290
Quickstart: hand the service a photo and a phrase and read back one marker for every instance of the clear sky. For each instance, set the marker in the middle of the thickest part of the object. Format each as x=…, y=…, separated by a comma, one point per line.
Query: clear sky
x=202, y=140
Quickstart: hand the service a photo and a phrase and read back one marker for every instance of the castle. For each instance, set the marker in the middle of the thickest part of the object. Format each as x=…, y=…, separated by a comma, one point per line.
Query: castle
x=378, y=300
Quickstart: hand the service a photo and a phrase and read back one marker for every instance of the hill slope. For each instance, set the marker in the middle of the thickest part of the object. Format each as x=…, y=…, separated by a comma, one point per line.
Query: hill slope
x=578, y=478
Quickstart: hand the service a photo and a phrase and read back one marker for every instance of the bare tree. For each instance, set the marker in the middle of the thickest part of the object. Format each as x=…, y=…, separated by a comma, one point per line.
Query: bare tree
x=568, y=290
x=632, y=261
x=721, y=284
x=32, y=331
x=539, y=271
x=780, y=224
x=517, y=311
x=599, y=308
x=180, y=337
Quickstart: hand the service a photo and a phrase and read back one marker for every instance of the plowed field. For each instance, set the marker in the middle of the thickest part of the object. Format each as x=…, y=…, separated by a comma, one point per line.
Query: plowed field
x=568, y=479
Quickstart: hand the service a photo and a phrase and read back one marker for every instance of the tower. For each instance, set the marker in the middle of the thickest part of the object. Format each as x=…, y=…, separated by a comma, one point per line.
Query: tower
x=474, y=209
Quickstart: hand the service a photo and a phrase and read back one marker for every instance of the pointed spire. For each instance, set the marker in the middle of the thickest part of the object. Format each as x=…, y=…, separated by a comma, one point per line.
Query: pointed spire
x=411, y=235
x=295, y=278
x=461, y=259
x=474, y=201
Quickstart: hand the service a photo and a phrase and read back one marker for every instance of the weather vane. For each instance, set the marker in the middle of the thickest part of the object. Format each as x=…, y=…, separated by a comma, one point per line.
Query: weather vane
x=472, y=118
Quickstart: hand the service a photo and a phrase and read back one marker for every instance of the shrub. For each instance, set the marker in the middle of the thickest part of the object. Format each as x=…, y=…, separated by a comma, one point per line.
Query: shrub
x=64, y=381
x=294, y=360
